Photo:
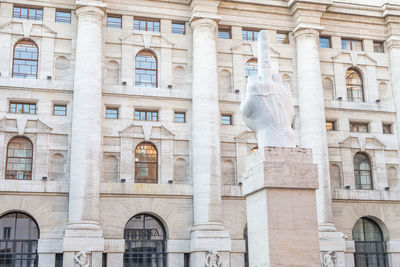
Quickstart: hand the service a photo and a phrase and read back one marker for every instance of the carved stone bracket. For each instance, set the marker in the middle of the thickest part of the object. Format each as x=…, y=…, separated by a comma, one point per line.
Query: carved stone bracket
x=213, y=259
x=329, y=259
x=82, y=258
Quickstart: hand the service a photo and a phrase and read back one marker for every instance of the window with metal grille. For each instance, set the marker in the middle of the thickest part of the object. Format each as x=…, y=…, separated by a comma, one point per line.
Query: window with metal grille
x=20, y=248
x=60, y=110
x=114, y=21
x=23, y=108
x=32, y=13
x=250, y=34
x=146, y=161
x=369, y=244
x=25, y=61
x=325, y=42
x=111, y=113
x=354, y=85
x=224, y=32
x=145, y=242
x=362, y=171
x=63, y=16
x=19, y=159
x=146, y=24
x=178, y=27
x=348, y=44
x=282, y=37
x=146, y=115
x=146, y=69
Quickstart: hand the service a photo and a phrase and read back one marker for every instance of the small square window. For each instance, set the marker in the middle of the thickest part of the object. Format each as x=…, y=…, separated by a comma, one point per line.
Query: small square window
x=111, y=113
x=360, y=127
x=330, y=126
x=378, y=47
x=226, y=119
x=178, y=27
x=179, y=117
x=325, y=42
x=60, y=110
x=387, y=128
x=224, y=32
x=114, y=21
x=63, y=16
x=282, y=37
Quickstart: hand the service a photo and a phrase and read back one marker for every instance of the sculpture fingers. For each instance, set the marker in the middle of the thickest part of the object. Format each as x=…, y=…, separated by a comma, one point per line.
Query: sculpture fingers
x=264, y=60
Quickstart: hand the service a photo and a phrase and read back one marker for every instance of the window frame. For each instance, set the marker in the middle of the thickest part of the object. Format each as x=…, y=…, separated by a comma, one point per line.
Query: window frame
x=28, y=8
x=254, y=36
x=390, y=125
x=26, y=41
x=360, y=85
x=381, y=45
x=225, y=29
x=22, y=103
x=63, y=11
x=358, y=178
x=226, y=115
x=114, y=16
x=112, y=108
x=283, y=41
x=329, y=41
x=147, y=53
x=146, y=114
x=352, y=41
x=146, y=20
x=334, y=128
x=151, y=180
x=178, y=23
x=358, y=124
x=59, y=105
x=31, y=158
x=180, y=112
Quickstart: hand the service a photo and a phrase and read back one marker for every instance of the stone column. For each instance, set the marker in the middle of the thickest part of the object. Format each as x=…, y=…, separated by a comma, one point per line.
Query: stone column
x=83, y=232
x=207, y=231
x=312, y=118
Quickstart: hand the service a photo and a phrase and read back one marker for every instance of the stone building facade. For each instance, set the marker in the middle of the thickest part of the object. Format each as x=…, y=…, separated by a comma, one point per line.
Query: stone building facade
x=121, y=138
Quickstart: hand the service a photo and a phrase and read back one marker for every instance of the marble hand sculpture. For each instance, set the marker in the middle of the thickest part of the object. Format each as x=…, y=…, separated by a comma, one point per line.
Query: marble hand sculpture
x=267, y=106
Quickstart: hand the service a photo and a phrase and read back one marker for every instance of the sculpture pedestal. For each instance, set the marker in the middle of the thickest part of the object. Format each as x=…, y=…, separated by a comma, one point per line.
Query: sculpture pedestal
x=282, y=224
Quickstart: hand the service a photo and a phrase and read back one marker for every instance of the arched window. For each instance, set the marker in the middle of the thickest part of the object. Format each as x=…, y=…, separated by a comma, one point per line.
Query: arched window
x=146, y=69
x=25, y=62
x=146, y=163
x=251, y=68
x=362, y=171
x=145, y=242
x=354, y=85
x=19, y=159
x=19, y=235
x=369, y=244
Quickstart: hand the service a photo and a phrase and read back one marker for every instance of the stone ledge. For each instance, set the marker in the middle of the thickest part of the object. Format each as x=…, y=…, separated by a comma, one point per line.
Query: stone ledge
x=366, y=195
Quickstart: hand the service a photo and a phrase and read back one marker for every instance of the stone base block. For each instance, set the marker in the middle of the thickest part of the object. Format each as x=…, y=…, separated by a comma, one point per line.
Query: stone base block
x=280, y=186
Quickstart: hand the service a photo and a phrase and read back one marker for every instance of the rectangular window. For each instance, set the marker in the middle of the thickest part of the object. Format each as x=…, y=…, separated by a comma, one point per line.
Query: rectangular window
x=179, y=117
x=32, y=13
x=282, y=37
x=59, y=260
x=114, y=21
x=250, y=35
x=6, y=233
x=63, y=16
x=378, y=47
x=111, y=113
x=224, y=33
x=355, y=45
x=360, y=127
x=387, y=128
x=23, y=108
x=330, y=125
x=226, y=119
x=144, y=24
x=60, y=110
x=144, y=115
x=325, y=42
x=104, y=260
x=178, y=27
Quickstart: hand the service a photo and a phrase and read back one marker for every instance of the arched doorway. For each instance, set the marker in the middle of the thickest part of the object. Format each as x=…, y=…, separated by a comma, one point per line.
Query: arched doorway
x=145, y=242
x=19, y=235
x=369, y=244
